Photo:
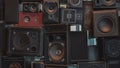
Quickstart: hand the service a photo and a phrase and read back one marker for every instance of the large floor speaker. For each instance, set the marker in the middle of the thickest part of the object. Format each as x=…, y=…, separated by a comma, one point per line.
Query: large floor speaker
x=106, y=23
x=12, y=62
x=75, y=3
x=51, y=11
x=112, y=48
x=11, y=11
x=92, y=65
x=106, y=3
x=25, y=41
x=65, y=48
x=2, y=37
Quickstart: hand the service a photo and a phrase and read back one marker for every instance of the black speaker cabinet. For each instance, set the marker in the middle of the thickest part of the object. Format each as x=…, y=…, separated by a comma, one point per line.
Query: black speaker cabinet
x=51, y=11
x=106, y=23
x=106, y=3
x=25, y=41
x=12, y=62
x=11, y=11
x=2, y=37
x=61, y=48
x=113, y=64
x=92, y=65
x=112, y=48
x=1, y=9
x=71, y=16
x=75, y=3
x=88, y=15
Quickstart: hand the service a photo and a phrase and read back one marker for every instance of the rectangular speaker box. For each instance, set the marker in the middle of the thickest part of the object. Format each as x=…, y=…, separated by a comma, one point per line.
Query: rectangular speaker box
x=106, y=23
x=11, y=11
x=106, y=4
x=12, y=62
x=88, y=15
x=51, y=11
x=111, y=48
x=75, y=3
x=92, y=65
x=65, y=48
x=2, y=37
x=25, y=41
x=69, y=16
x=113, y=64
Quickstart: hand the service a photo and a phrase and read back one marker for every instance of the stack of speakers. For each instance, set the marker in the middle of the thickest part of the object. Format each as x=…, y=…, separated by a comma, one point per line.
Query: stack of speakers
x=59, y=33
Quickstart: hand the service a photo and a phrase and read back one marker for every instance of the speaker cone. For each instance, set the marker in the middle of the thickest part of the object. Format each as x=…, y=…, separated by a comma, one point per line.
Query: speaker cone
x=108, y=2
x=105, y=24
x=21, y=40
x=112, y=48
x=15, y=65
x=56, y=51
x=75, y=2
x=51, y=7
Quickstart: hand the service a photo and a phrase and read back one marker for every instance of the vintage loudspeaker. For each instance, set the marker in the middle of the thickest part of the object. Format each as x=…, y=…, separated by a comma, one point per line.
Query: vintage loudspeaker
x=106, y=23
x=112, y=48
x=12, y=62
x=11, y=11
x=75, y=3
x=92, y=65
x=61, y=48
x=31, y=14
x=51, y=11
x=106, y=3
x=25, y=41
x=88, y=15
x=71, y=16
x=37, y=65
x=2, y=37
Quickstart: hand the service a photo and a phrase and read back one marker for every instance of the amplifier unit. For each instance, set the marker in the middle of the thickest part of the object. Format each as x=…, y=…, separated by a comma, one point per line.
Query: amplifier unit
x=25, y=41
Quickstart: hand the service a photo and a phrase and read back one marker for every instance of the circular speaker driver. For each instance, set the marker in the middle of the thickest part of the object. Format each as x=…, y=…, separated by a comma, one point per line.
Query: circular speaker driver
x=15, y=65
x=21, y=40
x=105, y=25
x=33, y=7
x=75, y=2
x=108, y=2
x=51, y=7
x=56, y=51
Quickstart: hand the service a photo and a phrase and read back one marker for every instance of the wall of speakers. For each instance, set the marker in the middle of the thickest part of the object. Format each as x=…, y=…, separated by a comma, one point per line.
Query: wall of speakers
x=106, y=23
x=51, y=11
x=25, y=41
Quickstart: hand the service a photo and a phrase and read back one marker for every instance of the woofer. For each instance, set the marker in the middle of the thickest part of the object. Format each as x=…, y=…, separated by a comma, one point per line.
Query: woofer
x=75, y=2
x=108, y=2
x=105, y=24
x=51, y=7
x=56, y=51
